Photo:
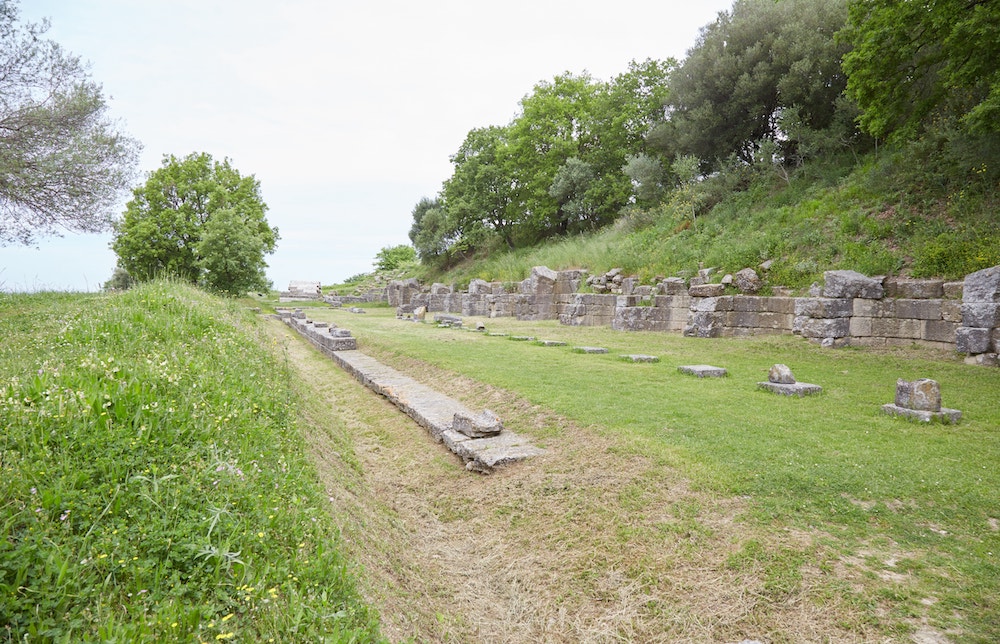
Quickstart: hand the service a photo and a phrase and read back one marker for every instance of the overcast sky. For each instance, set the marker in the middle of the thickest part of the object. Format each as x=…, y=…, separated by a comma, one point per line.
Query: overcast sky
x=346, y=112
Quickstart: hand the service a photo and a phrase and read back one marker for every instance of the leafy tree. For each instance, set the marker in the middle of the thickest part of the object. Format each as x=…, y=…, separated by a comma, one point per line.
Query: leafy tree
x=647, y=176
x=63, y=163
x=164, y=224
x=747, y=68
x=231, y=255
x=430, y=233
x=569, y=188
x=392, y=257
x=913, y=62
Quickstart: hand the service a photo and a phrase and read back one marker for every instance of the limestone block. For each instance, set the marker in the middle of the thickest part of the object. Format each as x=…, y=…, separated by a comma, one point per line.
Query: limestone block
x=673, y=286
x=851, y=284
x=926, y=309
x=703, y=371
x=704, y=324
x=867, y=308
x=479, y=287
x=484, y=424
x=983, y=360
x=947, y=416
x=972, y=340
x=638, y=357
x=953, y=290
x=673, y=301
x=982, y=286
x=798, y=389
x=780, y=374
x=781, y=304
x=939, y=331
x=750, y=303
x=861, y=327
x=822, y=328
x=982, y=315
x=822, y=307
x=706, y=290
x=896, y=328
x=951, y=310
x=914, y=289
x=724, y=303
x=590, y=350
x=747, y=281
x=922, y=394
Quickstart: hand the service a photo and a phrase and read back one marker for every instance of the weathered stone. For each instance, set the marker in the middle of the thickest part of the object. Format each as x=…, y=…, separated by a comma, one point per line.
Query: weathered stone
x=522, y=338
x=747, y=281
x=822, y=328
x=972, y=340
x=780, y=374
x=861, y=327
x=914, y=289
x=982, y=315
x=638, y=357
x=727, y=280
x=983, y=360
x=918, y=309
x=946, y=416
x=953, y=290
x=703, y=371
x=479, y=426
x=824, y=307
x=799, y=389
x=939, y=331
x=440, y=289
x=851, y=284
x=589, y=350
x=982, y=286
x=673, y=286
x=551, y=343
x=706, y=290
x=723, y=303
x=923, y=394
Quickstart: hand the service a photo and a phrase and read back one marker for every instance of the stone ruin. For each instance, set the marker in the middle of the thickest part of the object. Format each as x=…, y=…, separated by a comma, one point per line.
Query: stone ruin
x=849, y=309
x=780, y=380
x=920, y=400
x=300, y=290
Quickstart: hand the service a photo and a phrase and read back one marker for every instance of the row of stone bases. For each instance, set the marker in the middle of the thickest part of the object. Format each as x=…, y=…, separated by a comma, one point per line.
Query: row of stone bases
x=849, y=309
x=480, y=439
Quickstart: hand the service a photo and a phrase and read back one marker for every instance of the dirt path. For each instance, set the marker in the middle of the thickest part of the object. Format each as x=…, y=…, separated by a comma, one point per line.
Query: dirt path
x=593, y=542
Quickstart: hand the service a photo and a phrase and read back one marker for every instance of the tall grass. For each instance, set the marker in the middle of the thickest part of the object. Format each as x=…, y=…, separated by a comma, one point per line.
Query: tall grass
x=153, y=482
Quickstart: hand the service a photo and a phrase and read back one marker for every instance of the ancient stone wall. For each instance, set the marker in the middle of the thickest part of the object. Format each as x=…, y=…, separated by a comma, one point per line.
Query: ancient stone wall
x=849, y=309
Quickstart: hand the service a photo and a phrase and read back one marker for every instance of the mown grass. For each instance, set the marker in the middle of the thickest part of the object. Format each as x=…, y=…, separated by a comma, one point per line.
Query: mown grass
x=153, y=481
x=906, y=516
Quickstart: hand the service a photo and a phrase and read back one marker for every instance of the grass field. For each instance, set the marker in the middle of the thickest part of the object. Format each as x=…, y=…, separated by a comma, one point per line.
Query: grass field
x=154, y=483
x=903, y=518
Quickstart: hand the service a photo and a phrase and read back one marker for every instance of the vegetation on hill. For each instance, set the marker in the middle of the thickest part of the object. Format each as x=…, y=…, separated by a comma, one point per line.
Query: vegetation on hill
x=155, y=483
x=784, y=135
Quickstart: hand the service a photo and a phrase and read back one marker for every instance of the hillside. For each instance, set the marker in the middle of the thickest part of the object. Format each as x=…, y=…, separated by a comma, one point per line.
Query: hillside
x=880, y=215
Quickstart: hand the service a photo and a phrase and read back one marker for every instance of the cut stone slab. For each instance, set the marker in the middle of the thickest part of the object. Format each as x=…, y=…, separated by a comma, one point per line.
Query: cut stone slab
x=703, y=371
x=589, y=350
x=551, y=343
x=946, y=416
x=923, y=394
x=799, y=389
x=522, y=338
x=479, y=426
x=497, y=335
x=638, y=357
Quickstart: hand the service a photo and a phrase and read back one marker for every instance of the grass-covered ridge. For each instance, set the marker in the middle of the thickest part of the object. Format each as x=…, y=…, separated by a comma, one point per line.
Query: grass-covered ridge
x=154, y=483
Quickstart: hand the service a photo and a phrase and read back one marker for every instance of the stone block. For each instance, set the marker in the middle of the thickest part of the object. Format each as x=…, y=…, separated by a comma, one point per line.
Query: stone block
x=946, y=416
x=749, y=303
x=982, y=286
x=982, y=315
x=703, y=371
x=914, y=289
x=673, y=286
x=704, y=324
x=897, y=328
x=953, y=290
x=724, y=303
x=983, y=360
x=638, y=357
x=821, y=307
x=867, y=308
x=851, y=284
x=798, y=389
x=747, y=281
x=822, y=328
x=706, y=290
x=972, y=340
x=926, y=309
x=861, y=327
x=590, y=350
x=922, y=394
x=951, y=310
x=780, y=374
x=479, y=426
x=939, y=331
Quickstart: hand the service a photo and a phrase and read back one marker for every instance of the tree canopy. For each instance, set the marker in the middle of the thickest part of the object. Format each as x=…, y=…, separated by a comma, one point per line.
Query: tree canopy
x=914, y=62
x=198, y=220
x=63, y=162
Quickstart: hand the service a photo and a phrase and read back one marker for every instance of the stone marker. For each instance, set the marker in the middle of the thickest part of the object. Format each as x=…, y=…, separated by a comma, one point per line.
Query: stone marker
x=589, y=350
x=920, y=400
x=551, y=343
x=703, y=371
x=638, y=357
x=781, y=381
x=497, y=335
x=522, y=338
x=485, y=424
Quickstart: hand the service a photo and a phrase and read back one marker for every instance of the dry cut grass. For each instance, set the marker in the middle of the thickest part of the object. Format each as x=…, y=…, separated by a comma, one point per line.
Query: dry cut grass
x=593, y=542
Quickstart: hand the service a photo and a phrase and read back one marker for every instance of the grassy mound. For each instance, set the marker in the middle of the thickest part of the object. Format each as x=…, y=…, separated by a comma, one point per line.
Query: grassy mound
x=154, y=483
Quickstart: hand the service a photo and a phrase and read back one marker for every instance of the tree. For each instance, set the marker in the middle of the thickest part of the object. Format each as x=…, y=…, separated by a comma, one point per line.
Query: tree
x=63, y=163
x=569, y=188
x=392, y=257
x=430, y=233
x=913, y=62
x=164, y=224
x=747, y=68
x=231, y=255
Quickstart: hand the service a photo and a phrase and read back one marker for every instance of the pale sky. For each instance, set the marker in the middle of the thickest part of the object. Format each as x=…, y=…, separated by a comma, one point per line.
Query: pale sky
x=345, y=112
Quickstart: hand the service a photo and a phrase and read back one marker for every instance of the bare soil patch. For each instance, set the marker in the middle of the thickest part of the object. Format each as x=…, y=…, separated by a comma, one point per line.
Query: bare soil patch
x=592, y=542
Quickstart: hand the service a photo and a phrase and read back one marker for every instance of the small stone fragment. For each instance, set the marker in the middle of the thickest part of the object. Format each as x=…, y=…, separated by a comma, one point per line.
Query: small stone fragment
x=781, y=374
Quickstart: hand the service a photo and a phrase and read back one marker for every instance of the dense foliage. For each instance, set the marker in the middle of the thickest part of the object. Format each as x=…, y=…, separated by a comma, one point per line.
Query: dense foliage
x=154, y=482
x=773, y=94
x=63, y=162
x=198, y=220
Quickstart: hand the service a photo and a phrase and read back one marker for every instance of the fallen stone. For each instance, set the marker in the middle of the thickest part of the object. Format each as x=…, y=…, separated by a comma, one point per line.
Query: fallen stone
x=923, y=394
x=522, y=338
x=638, y=357
x=551, y=343
x=747, y=281
x=497, y=335
x=480, y=426
x=589, y=350
x=982, y=286
x=851, y=284
x=781, y=375
x=799, y=389
x=703, y=371
x=946, y=416
x=706, y=290
x=983, y=360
